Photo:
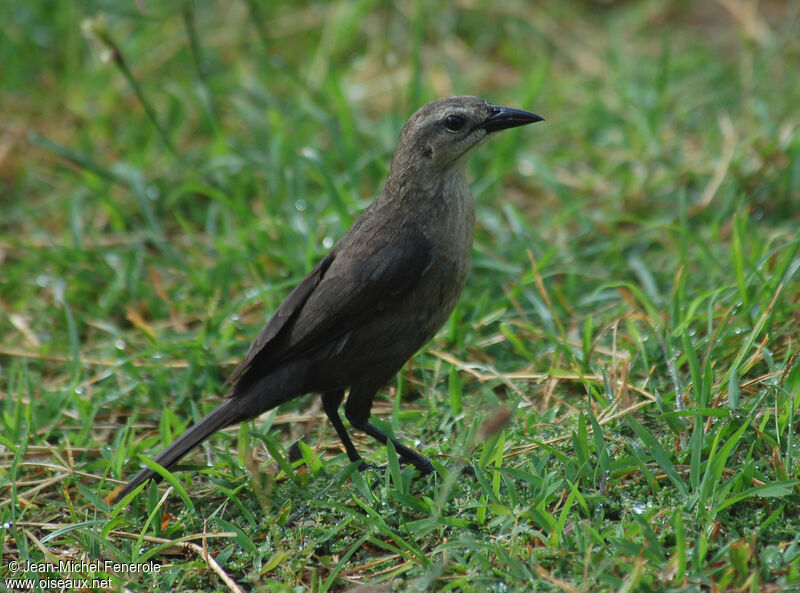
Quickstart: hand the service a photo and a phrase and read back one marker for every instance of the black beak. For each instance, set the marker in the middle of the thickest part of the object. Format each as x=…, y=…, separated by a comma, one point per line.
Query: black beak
x=503, y=118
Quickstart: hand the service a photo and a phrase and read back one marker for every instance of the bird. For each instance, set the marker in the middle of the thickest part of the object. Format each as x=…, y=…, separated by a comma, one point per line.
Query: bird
x=380, y=294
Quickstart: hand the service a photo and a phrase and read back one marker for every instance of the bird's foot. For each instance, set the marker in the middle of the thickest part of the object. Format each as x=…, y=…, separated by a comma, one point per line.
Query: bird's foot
x=424, y=467
x=366, y=465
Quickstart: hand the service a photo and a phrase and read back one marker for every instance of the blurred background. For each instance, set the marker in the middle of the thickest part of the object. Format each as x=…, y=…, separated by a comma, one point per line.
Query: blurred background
x=218, y=129
x=169, y=170
x=215, y=150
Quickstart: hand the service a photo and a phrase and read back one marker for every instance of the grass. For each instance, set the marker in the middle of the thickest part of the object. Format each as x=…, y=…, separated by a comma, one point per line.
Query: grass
x=170, y=171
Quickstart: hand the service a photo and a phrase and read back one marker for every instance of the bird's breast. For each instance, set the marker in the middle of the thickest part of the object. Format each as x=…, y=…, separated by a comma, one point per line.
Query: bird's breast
x=450, y=229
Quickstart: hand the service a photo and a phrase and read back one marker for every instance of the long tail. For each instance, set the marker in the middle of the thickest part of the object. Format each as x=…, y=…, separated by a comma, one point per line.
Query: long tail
x=227, y=413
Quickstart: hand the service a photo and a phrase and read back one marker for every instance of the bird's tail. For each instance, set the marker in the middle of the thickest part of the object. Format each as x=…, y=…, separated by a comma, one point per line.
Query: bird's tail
x=227, y=413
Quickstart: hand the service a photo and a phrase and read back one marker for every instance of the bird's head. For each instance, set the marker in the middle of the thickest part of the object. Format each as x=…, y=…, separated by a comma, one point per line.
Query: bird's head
x=441, y=134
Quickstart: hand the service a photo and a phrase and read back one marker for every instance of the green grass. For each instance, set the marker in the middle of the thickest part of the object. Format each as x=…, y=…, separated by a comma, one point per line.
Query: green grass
x=168, y=176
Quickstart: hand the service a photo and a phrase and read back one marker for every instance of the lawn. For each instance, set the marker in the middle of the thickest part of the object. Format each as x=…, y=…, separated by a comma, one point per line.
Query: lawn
x=622, y=369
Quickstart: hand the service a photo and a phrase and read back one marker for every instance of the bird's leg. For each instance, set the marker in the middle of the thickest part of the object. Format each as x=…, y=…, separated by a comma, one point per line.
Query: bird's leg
x=357, y=411
x=423, y=465
x=330, y=404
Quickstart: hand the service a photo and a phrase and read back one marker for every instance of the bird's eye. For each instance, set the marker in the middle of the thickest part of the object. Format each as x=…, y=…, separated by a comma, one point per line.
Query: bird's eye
x=454, y=122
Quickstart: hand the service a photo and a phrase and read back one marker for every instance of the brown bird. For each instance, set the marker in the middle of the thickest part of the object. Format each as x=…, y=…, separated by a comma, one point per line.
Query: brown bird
x=382, y=292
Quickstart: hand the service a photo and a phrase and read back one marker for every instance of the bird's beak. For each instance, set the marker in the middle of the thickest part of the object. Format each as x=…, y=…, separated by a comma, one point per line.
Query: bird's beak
x=503, y=118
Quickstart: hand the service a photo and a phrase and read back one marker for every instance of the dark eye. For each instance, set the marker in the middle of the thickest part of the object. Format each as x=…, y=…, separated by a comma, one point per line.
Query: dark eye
x=454, y=122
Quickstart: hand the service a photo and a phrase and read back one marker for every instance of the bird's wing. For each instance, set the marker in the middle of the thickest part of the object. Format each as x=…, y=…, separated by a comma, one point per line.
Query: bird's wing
x=284, y=313
x=341, y=290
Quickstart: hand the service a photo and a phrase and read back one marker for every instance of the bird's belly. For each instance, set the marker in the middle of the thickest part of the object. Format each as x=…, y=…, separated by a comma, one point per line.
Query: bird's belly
x=389, y=339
